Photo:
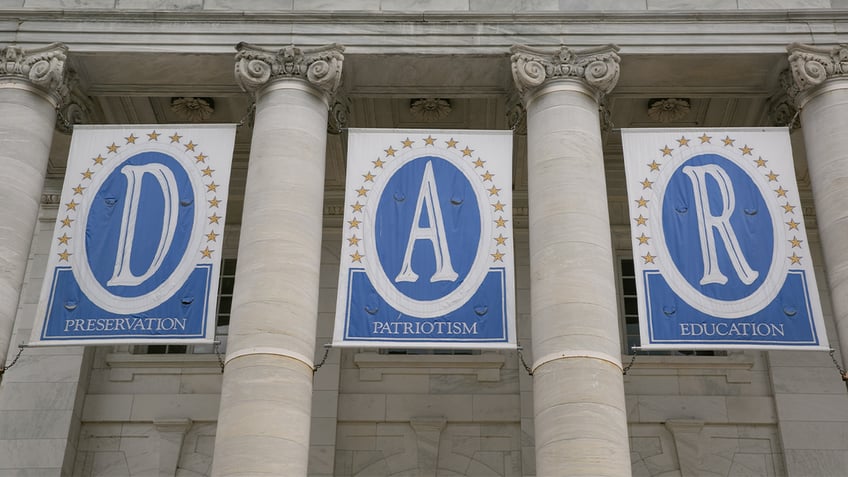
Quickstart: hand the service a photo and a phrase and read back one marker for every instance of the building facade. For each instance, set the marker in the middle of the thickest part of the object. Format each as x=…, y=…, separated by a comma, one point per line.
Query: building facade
x=565, y=76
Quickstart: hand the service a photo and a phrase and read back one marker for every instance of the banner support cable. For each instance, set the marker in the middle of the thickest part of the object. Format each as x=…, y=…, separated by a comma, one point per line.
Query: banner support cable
x=842, y=371
x=14, y=361
x=327, y=348
x=519, y=348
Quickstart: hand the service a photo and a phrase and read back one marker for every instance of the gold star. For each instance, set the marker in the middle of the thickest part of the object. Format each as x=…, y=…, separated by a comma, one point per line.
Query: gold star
x=208, y=171
x=683, y=141
x=378, y=163
x=131, y=139
x=66, y=222
x=86, y=174
x=176, y=137
x=213, y=219
x=78, y=189
x=772, y=177
x=466, y=152
x=497, y=256
x=113, y=148
x=493, y=191
x=214, y=202
x=649, y=258
x=368, y=177
x=641, y=202
x=71, y=205
x=746, y=151
x=654, y=165
x=212, y=187
x=795, y=242
x=500, y=239
x=211, y=236
x=500, y=222
x=353, y=241
x=354, y=224
x=99, y=159
x=479, y=162
x=64, y=239
x=201, y=157
x=153, y=136
x=666, y=151
x=641, y=220
x=361, y=192
x=790, y=209
x=452, y=143
x=792, y=224
x=781, y=192
x=487, y=176
x=643, y=239
x=407, y=142
x=499, y=206
x=705, y=139
x=206, y=252
x=357, y=207
x=760, y=162
x=646, y=184
x=796, y=260
x=429, y=141
x=190, y=146
x=390, y=152
x=727, y=141
x=64, y=255
x=356, y=257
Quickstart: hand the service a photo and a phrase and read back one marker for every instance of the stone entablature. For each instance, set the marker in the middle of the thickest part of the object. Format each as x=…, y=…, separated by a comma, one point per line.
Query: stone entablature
x=597, y=67
x=321, y=67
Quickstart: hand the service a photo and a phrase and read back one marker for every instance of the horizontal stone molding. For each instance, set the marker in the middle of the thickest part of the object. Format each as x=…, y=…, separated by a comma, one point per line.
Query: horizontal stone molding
x=372, y=366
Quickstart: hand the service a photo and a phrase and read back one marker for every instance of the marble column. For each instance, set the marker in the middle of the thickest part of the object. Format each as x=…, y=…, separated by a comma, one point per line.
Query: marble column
x=578, y=390
x=821, y=79
x=33, y=83
x=264, y=419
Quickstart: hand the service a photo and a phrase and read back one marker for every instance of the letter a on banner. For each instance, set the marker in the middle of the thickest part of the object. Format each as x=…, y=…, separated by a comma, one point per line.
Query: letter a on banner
x=138, y=238
x=720, y=251
x=427, y=256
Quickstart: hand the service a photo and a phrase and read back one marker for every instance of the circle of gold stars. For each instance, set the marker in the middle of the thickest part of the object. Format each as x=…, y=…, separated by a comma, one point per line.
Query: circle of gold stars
x=353, y=232
x=110, y=153
x=643, y=241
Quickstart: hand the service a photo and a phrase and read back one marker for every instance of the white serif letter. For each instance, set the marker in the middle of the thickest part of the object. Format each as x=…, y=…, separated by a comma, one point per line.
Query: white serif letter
x=428, y=197
x=707, y=222
x=168, y=184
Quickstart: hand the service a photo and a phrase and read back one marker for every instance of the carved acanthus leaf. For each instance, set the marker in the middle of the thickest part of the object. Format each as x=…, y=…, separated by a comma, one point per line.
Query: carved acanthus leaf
x=321, y=67
x=812, y=65
x=597, y=67
x=44, y=67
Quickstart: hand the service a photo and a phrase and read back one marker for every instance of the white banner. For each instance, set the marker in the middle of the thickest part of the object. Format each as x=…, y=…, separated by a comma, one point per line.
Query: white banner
x=427, y=250
x=137, y=245
x=720, y=250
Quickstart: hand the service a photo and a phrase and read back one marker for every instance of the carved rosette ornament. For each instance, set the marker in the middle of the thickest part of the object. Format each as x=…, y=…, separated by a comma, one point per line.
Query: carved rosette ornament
x=320, y=67
x=812, y=65
x=596, y=67
x=45, y=67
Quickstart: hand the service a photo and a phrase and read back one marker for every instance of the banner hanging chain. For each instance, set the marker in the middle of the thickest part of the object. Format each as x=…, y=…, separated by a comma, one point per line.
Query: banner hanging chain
x=841, y=370
x=327, y=348
x=246, y=116
x=523, y=363
x=220, y=357
x=17, y=356
x=630, y=364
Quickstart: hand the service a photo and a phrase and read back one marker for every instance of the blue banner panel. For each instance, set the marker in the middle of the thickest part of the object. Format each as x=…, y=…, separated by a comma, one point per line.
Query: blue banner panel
x=138, y=237
x=720, y=250
x=427, y=255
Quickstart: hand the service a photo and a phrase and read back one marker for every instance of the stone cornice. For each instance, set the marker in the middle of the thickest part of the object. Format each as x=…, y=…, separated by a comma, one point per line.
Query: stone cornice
x=45, y=67
x=597, y=67
x=813, y=65
x=320, y=67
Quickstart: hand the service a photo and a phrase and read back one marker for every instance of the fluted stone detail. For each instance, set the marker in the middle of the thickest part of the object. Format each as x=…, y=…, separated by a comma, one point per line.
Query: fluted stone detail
x=44, y=67
x=812, y=65
x=598, y=67
x=321, y=67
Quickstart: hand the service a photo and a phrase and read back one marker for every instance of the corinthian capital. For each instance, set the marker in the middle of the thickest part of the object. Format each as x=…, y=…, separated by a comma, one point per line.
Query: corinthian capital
x=321, y=67
x=812, y=65
x=597, y=67
x=45, y=67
